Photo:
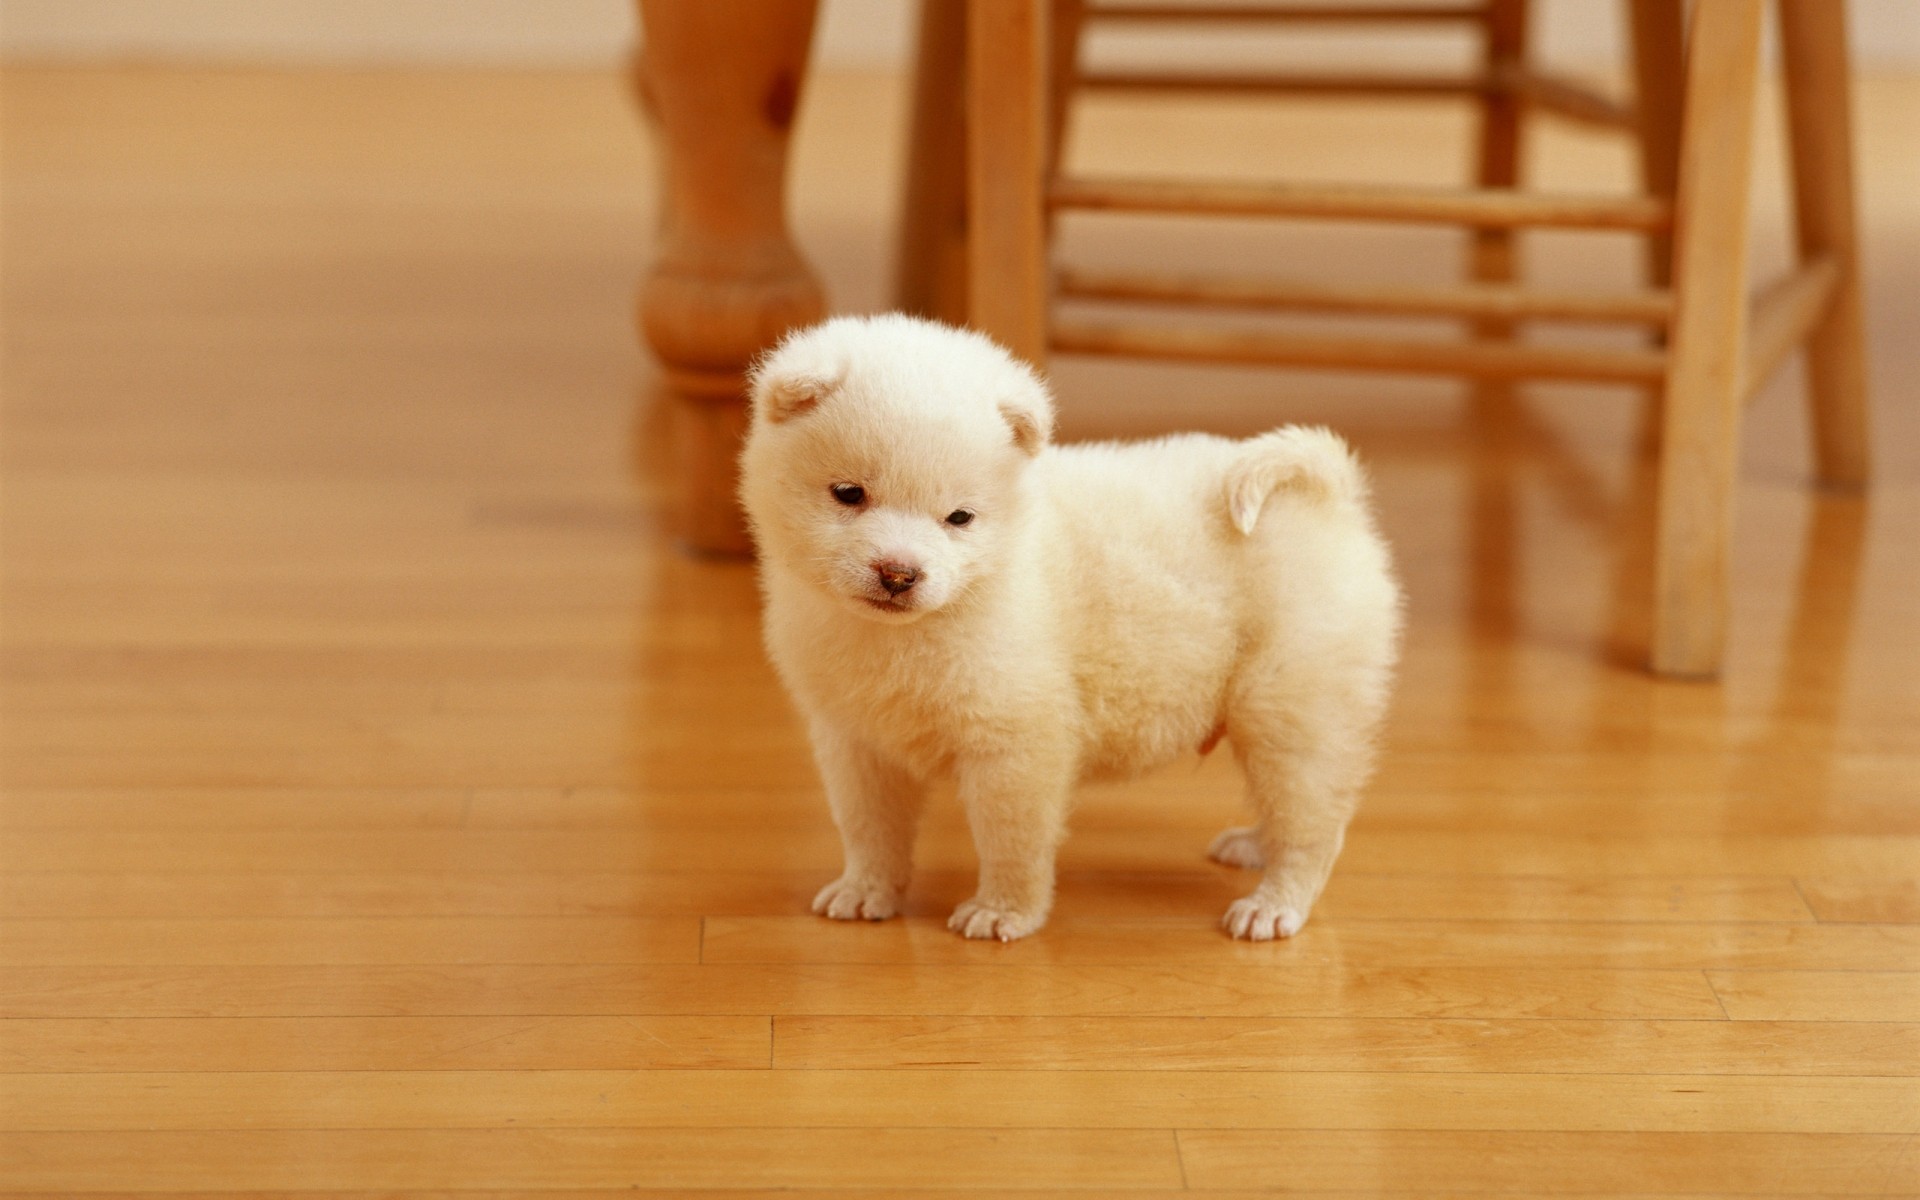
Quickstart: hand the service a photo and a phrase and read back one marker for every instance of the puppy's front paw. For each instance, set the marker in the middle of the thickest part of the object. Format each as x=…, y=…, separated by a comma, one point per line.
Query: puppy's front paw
x=850, y=899
x=1258, y=919
x=977, y=919
x=1237, y=847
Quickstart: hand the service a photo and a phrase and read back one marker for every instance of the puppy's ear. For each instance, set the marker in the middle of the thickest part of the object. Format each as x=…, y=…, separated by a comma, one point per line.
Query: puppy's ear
x=785, y=397
x=1032, y=425
x=794, y=379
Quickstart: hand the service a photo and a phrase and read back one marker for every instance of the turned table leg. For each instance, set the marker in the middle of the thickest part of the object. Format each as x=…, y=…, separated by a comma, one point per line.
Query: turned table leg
x=721, y=80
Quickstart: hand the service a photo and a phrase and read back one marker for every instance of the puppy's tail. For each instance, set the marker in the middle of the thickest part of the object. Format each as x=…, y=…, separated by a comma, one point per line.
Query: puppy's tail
x=1310, y=461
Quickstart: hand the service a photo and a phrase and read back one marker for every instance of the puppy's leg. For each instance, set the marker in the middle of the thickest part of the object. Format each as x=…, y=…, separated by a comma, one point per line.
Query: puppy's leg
x=1016, y=807
x=1306, y=757
x=1238, y=846
x=877, y=806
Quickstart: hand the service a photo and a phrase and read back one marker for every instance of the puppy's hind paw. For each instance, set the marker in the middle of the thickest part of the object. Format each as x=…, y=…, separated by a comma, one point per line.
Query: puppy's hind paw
x=1237, y=847
x=1258, y=919
x=977, y=919
x=849, y=899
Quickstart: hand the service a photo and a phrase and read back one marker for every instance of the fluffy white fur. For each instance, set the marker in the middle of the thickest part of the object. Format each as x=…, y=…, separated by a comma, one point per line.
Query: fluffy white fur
x=1107, y=609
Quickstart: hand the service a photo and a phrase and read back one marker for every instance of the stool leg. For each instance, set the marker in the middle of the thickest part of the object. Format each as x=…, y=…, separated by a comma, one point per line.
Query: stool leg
x=931, y=278
x=1658, y=69
x=1700, y=428
x=1813, y=47
x=1063, y=67
x=1499, y=151
x=1007, y=114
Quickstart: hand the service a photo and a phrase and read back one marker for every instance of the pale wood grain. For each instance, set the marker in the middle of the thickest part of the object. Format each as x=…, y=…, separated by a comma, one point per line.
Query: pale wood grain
x=724, y=893
x=1402, y=942
x=387, y=939
x=1333, y=1044
x=645, y=1193
x=1219, y=988
x=569, y=1158
x=1139, y=1100
x=1727, y=1164
x=1818, y=995
x=812, y=844
x=216, y=1044
x=1848, y=899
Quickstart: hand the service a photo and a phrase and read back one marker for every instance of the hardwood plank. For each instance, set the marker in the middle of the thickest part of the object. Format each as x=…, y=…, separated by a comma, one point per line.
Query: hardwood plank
x=1692, y=1047
x=227, y=1044
x=1404, y=943
x=1227, y=989
x=1085, y=894
x=1818, y=995
x=1722, y=1163
x=1140, y=1100
x=1862, y=799
x=574, y=1158
x=694, y=847
x=343, y=940
x=643, y=1193
x=1895, y=901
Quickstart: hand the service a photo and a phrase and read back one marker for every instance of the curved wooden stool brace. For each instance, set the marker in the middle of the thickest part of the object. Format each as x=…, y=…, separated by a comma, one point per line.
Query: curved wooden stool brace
x=1694, y=123
x=721, y=80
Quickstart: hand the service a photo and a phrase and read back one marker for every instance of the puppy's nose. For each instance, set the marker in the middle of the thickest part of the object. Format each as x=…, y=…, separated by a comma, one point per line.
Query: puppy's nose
x=896, y=577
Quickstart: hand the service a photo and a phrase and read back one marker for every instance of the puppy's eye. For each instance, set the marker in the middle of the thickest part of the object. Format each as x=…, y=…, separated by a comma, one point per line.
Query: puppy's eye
x=848, y=494
x=959, y=516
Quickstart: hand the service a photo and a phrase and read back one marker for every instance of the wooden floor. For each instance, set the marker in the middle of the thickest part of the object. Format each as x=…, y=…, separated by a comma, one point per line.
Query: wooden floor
x=390, y=809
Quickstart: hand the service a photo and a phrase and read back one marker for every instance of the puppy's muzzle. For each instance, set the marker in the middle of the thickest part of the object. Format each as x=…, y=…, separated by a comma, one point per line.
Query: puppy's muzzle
x=896, y=577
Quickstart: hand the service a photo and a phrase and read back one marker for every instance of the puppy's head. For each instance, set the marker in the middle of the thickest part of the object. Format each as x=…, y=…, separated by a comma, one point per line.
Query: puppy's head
x=885, y=462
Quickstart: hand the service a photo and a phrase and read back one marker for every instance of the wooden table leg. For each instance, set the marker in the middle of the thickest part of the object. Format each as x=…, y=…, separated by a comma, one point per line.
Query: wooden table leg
x=721, y=79
x=1699, y=446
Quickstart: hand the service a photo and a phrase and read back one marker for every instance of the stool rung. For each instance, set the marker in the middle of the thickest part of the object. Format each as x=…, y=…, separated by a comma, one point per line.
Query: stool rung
x=1207, y=13
x=1482, y=208
x=1136, y=80
x=1491, y=360
x=1565, y=98
x=1551, y=93
x=1478, y=300
x=1781, y=316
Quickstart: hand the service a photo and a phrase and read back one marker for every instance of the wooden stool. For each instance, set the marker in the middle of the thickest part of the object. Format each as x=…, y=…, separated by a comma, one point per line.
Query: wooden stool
x=980, y=251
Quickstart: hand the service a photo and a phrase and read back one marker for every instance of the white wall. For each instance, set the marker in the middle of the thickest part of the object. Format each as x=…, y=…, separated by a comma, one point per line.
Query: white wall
x=581, y=32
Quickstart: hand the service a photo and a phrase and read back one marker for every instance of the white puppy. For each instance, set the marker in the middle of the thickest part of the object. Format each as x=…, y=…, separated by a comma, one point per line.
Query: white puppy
x=948, y=595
